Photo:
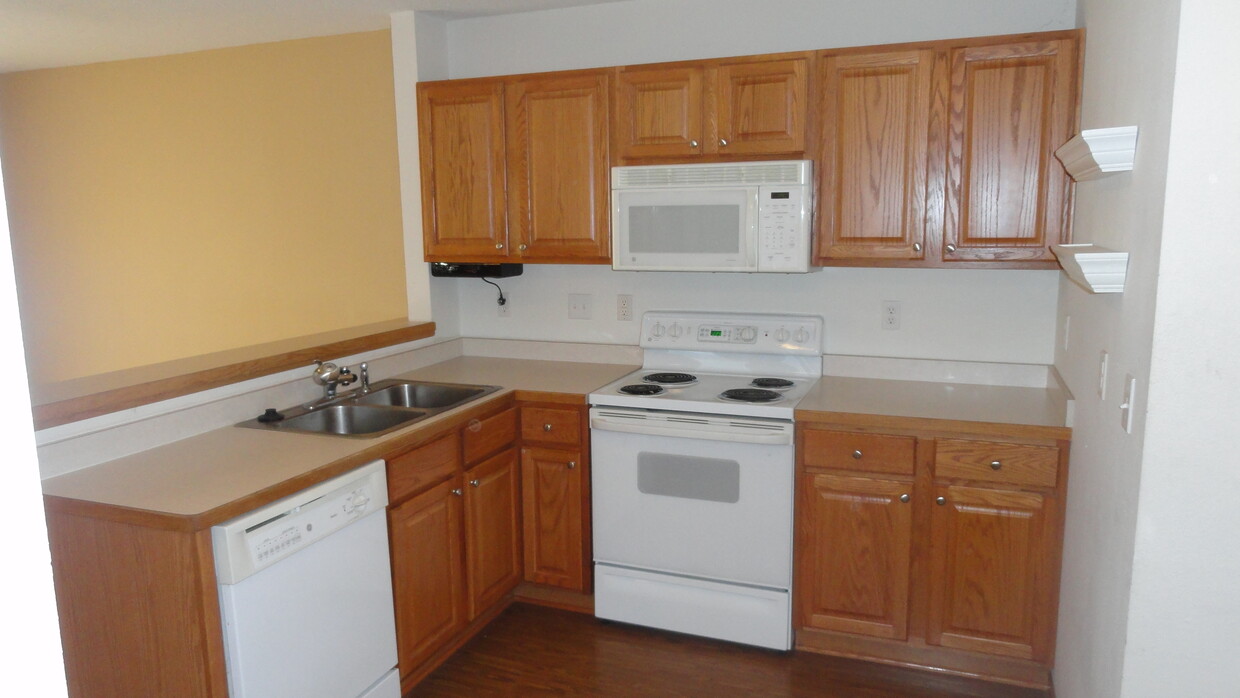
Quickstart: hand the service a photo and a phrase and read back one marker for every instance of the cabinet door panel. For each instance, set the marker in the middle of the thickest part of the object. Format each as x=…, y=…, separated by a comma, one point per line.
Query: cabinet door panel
x=492, y=530
x=658, y=112
x=558, y=168
x=551, y=485
x=761, y=107
x=1011, y=107
x=461, y=137
x=990, y=587
x=856, y=542
x=427, y=573
x=874, y=141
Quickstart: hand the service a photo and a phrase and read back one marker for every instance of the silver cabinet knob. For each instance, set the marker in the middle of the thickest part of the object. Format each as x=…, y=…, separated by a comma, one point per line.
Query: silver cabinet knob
x=693, y=144
x=523, y=247
x=546, y=427
x=457, y=491
x=941, y=501
x=499, y=245
x=572, y=464
x=474, y=483
x=723, y=142
x=951, y=249
x=475, y=425
x=904, y=498
x=995, y=465
x=857, y=455
x=917, y=247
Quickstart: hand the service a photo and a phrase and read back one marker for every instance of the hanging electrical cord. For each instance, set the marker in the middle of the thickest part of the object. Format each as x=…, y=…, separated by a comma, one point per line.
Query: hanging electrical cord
x=498, y=301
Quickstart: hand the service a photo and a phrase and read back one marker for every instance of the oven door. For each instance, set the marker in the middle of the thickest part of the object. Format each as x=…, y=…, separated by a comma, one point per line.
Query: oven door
x=701, y=496
x=700, y=229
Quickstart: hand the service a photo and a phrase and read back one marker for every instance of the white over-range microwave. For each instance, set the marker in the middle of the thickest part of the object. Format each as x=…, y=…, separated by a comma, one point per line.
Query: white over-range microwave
x=740, y=216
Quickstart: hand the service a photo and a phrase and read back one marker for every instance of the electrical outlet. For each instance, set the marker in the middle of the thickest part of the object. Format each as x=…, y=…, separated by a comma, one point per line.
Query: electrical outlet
x=580, y=306
x=624, y=307
x=1102, y=375
x=891, y=315
x=503, y=309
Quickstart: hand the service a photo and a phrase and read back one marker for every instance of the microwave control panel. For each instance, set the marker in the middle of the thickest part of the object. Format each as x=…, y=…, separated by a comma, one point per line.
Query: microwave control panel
x=783, y=229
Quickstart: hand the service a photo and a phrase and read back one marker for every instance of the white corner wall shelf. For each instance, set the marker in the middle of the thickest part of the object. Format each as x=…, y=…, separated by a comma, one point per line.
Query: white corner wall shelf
x=1099, y=152
x=1097, y=269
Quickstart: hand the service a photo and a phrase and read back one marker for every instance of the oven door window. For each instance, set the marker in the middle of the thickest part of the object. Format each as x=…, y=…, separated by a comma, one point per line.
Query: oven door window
x=698, y=229
x=689, y=477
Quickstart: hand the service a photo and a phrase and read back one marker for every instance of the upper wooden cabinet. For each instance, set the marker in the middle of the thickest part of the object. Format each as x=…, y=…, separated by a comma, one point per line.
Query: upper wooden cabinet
x=1011, y=106
x=873, y=142
x=744, y=107
x=516, y=169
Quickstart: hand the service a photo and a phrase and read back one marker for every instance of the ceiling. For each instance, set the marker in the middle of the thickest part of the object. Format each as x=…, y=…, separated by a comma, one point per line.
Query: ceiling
x=54, y=33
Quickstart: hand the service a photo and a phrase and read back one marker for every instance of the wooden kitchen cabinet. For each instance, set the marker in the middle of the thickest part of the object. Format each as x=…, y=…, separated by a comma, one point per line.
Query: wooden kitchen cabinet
x=930, y=549
x=718, y=108
x=492, y=530
x=516, y=169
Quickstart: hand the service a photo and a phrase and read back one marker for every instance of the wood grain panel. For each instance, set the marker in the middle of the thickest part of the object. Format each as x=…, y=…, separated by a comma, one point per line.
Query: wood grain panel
x=558, y=168
x=489, y=434
x=551, y=426
x=551, y=488
x=414, y=471
x=1011, y=106
x=427, y=572
x=846, y=450
x=856, y=537
x=139, y=611
x=990, y=589
x=761, y=106
x=492, y=530
x=461, y=137
x=875, y=128
x=658, y=112
x=1018, y=464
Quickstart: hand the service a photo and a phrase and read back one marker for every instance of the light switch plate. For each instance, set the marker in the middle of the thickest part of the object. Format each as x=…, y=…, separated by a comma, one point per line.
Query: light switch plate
x=1126, y=408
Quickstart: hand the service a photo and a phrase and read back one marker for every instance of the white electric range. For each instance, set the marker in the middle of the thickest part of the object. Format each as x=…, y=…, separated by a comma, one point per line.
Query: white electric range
x=692, y=475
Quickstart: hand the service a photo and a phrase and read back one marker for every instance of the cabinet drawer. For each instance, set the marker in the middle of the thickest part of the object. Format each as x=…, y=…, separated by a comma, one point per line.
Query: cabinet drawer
x=416, y=470
x=845, y=450
x=486, y=436
x=991, y=461
x=551, y=425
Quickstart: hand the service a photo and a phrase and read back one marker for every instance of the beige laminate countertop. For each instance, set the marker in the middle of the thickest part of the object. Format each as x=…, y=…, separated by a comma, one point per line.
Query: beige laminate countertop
x=200, y=481
x=1022, y=411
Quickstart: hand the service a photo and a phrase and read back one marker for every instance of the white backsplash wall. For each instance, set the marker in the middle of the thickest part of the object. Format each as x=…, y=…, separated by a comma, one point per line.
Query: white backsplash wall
x=965, y=315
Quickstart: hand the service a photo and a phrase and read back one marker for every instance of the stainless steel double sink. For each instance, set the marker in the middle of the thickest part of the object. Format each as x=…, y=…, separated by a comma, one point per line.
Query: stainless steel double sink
x=388, y=405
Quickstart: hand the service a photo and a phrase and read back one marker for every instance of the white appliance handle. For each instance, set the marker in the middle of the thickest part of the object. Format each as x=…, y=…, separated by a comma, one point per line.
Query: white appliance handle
x=708, y=430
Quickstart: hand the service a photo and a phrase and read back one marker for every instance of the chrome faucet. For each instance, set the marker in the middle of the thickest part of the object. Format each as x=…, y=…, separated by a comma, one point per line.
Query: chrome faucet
x=365, y=374
x=331, y=376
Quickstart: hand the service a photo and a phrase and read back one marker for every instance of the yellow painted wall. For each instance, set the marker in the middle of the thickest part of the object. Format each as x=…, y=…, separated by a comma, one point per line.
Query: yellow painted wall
x=181, y=205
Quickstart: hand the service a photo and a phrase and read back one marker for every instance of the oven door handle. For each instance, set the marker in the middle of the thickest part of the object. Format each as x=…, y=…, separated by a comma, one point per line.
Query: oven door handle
x=690, y=431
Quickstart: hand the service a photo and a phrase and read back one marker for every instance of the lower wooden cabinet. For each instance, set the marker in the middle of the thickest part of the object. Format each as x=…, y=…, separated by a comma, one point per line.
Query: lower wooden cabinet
x=492, y=530
x=931, y=549
x=551, y=485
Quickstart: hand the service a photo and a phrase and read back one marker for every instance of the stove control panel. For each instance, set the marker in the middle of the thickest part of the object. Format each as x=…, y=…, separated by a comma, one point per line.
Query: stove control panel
x=740, y=332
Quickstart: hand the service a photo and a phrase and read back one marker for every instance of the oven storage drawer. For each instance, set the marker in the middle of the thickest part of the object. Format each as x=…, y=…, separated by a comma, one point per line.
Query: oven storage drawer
x=752, y=615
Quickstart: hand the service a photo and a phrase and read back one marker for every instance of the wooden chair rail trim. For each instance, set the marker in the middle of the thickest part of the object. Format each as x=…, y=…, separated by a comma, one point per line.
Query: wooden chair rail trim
x=92, y=396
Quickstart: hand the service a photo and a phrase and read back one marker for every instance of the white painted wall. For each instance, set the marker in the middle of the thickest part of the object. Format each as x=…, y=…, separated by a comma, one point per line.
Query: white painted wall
x=1185, y=607
x=966, y=315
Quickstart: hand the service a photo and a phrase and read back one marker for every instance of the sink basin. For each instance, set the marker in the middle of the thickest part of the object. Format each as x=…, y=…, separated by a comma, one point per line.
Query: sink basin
x=350, y=420
x=420, y=394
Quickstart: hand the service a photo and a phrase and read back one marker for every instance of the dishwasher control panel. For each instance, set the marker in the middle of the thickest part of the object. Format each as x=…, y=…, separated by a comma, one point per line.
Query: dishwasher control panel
x=252, y=542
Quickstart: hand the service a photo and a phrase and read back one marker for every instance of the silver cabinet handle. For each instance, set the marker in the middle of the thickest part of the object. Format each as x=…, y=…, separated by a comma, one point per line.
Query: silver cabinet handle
x=857, y=455
x=904, y=498
x=995, y=465
x=723, y=142
x=951, y=249
x=523, y=247
x=941, y=501
x=474, y=483
x=546, y=427
x=499, y=245
x=572, y=464
x=917, y=247
x=475, y=425
x=457, y=491
x=693, y=144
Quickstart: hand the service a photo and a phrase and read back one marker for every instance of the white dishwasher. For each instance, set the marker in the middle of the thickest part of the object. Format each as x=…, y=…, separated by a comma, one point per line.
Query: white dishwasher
x=306, y=593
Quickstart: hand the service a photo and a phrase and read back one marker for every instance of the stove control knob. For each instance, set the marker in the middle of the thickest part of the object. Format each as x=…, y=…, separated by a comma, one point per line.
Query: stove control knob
x=675, y=330
x=801, y=336
x=781, y=335
x=658, y=330
x=748, y=334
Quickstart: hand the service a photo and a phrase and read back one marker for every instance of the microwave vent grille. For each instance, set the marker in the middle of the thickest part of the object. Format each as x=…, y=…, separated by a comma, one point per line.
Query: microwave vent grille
x=790, y=172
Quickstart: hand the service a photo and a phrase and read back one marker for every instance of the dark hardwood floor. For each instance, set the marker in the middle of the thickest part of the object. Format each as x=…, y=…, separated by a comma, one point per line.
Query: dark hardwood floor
x=536, y=651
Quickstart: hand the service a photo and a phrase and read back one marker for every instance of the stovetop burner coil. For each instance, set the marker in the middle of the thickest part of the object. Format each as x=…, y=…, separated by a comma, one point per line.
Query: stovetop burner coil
x=641, y=389
x=670, y=378
x=771, y=383
x=750, y=395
